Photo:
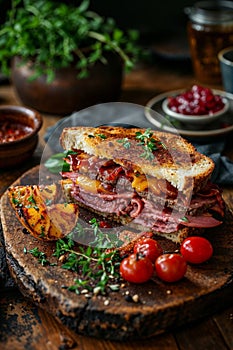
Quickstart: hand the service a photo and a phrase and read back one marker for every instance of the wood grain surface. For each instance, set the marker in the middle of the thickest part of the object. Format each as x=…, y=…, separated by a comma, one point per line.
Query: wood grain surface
x=161, y=306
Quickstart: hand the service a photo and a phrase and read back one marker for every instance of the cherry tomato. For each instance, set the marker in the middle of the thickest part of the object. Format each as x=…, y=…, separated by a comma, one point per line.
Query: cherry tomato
x=136, y=269
x=148, y=247
x=196, y=250
x=170, y=267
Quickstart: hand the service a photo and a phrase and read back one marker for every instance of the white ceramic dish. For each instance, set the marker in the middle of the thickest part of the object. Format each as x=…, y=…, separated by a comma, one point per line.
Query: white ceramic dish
x=220, y=126
x=196, y=121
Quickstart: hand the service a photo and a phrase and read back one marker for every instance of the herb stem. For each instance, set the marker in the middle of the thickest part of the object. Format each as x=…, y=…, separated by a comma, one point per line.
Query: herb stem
x=114, y=46
x=79, y=254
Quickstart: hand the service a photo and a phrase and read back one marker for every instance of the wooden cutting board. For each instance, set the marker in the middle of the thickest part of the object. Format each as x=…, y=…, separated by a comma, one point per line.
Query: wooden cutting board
x=161, y=306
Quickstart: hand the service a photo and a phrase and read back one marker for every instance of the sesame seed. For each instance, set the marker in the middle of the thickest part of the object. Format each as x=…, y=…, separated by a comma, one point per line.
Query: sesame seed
x=96, y=290
x=135, y=298
x=87, y=296
x=84, y=291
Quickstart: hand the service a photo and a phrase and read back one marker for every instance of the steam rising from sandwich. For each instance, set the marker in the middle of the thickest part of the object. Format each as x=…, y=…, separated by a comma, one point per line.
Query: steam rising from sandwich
x=142, y=178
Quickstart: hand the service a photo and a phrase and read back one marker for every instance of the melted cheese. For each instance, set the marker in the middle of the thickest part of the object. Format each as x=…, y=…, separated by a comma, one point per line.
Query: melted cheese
x=88, y=184
x=139, y=182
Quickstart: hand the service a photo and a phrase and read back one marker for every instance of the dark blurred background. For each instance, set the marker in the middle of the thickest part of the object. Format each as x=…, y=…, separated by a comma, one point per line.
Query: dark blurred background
x=149, y=16
x=162, y=24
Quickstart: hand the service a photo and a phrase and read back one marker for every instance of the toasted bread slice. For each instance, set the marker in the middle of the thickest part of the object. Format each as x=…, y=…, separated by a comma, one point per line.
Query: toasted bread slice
x=173, y=158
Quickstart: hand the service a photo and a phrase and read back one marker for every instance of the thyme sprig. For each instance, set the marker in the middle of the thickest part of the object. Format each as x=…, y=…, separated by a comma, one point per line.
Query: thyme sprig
x=125, y=142
x=98, y=263
x=103, y=240
x=41, y=256
x=97, y=266
x=148, y=143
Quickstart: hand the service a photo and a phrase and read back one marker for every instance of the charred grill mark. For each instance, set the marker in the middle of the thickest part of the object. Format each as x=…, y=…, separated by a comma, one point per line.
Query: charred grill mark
x=20, y=212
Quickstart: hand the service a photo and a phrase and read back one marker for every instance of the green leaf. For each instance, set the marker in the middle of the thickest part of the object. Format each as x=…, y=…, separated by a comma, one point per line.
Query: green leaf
x=56, y=163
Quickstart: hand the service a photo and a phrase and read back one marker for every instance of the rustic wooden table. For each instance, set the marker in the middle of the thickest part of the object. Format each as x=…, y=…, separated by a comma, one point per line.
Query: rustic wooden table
x=24, y=326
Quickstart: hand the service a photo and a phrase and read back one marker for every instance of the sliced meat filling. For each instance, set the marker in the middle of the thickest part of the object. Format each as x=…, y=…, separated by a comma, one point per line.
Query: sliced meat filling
x=111, y=189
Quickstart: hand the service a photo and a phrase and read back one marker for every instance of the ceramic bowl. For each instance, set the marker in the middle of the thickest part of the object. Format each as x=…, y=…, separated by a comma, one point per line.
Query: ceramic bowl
x=17, y=149
x=67, y=94
x=226, y=66
x=195, y=121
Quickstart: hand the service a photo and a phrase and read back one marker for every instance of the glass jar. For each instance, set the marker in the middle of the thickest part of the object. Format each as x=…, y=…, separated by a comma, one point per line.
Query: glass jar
x=210, y=29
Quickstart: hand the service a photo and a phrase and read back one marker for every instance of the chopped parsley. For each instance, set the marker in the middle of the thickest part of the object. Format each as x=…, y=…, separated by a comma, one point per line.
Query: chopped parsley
x=102, y=136
x=31, y=199
x=16, y=201
x=185, y=219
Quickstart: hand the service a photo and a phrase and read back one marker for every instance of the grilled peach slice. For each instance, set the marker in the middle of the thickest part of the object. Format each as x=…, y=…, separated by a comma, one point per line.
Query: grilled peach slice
x=35, y=208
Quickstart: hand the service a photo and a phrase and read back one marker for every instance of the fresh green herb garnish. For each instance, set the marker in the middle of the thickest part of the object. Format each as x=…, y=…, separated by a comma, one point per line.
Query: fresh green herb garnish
x=148, y=143
x=103, y=240
x=97, y=266
x=48, y=201
x=146, y=135
x=125, y=141
x=57, y=162
x=147, y=154
x=163, y=145
x=185, y=219
x=15, y=201
x=31, y=199
x=42, y=232
x=102, y=136
x=39, y=255
x=97, y=263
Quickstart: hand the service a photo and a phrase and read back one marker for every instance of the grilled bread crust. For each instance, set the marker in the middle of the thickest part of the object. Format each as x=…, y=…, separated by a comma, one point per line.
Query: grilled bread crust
x=175, y=159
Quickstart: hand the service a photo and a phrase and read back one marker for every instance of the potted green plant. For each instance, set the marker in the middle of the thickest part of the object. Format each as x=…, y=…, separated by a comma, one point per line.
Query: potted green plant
x=63, y=57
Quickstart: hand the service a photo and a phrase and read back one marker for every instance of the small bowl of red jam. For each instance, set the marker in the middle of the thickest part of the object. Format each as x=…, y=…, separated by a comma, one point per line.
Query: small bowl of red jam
x=197, y=106
x=19, y=127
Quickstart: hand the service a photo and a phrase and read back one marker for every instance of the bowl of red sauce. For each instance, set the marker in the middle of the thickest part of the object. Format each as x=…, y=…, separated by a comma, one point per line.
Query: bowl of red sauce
x=19, y=127
x=197, y=106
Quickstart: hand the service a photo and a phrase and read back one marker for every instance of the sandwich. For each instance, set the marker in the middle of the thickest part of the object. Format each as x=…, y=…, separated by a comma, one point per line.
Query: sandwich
x=145, y=179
